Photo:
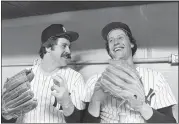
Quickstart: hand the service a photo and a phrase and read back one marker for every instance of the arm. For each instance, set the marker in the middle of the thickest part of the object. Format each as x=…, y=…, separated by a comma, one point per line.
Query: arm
x=3, y=120
x=72, y=104
x=163, y=115
x=82, y=116
x=74, y=117
x=88, y=117
x=164, y=100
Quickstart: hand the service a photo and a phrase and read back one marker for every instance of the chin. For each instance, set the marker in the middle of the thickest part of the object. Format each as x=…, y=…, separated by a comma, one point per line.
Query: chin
x=61, y=64
x=64, y=64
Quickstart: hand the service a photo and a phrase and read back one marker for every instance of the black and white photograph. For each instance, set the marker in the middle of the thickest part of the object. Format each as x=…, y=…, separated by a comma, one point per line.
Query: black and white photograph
x=89, y=61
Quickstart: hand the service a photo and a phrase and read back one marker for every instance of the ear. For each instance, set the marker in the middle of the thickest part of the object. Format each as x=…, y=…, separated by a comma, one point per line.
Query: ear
x=132, y=45
x=48, y=49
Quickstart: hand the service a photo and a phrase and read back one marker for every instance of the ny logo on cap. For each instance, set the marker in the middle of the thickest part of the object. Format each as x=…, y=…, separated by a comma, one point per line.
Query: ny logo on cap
x=64, y=29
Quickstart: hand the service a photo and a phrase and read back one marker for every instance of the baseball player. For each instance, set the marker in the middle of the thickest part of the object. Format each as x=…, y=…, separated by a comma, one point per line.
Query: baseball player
x=57, y=88
x=159, y=98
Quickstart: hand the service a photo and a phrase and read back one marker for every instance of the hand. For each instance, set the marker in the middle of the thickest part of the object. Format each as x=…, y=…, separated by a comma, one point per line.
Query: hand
x=127, y=80
x=99, y=95
x=131, y=101
x=97, y=99
x=60, y=91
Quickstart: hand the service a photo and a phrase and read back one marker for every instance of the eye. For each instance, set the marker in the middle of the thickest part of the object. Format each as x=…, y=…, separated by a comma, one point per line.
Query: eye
x=64, y=45
x=110, y=40
x=69, y=47
x=120, y=38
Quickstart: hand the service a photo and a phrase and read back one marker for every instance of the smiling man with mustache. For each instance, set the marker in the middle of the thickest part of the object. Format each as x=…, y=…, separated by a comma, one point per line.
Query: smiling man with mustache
x=57, y=88
x=158, y=99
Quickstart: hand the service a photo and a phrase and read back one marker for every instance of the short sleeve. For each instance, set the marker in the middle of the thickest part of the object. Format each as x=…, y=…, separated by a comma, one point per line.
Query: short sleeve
x=77, y=93
x=89, y=87
x=164, y=96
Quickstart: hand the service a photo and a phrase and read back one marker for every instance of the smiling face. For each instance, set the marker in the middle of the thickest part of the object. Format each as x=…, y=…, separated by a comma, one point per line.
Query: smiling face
x=119, y=44
x=60, y=53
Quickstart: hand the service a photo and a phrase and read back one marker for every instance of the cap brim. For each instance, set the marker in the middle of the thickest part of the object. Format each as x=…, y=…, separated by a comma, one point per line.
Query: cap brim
x=112, y=26
x=72, y=35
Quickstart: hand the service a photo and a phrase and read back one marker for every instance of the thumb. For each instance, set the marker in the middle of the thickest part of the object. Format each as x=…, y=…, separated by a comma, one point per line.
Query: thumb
x=59, y=81
x=30, y=76
x=54, y=93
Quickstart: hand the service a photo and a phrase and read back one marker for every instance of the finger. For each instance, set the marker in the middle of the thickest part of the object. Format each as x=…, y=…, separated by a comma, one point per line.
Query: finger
x=110, y=88
x=55, y=87
x=33, y=103
x=16, y=92
x=30, y=76
x=130, y=97
x=117, y=84
x=97, y=86
x=128, y=70
x=126, y=94
x=128, y=79
x=121, y=74
x=116, y=81
x=129, y=107
x=20, y=99
x=58, y=80
x=52, y=88
x=55, y=94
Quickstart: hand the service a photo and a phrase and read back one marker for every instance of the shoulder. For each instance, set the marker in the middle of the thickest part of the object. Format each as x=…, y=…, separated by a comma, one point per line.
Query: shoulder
x=35, y=65
x=152, y=78
x=89, y=87
x=71, y=76
x=37, y=61
x=69, y=71
x=92, y=80
x=143, y=70
x=149, y=74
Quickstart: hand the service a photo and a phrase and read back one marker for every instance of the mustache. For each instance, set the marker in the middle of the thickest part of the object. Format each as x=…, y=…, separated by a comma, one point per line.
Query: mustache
x=119, y=44
x=67, y=55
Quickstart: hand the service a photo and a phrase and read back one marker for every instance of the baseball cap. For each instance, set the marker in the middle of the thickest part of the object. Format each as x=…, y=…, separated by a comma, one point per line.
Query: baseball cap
x=58, y=30
x=115, y=25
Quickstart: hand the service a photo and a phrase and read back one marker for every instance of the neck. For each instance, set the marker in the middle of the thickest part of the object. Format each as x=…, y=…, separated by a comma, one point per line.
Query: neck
x=129, y=61
x=48, y=65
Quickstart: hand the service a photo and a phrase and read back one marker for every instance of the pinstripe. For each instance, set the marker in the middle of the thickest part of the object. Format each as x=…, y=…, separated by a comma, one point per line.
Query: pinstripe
x=53, y=114
x=49, y=108
x=78, y=76
x=151, y=79
x=34, y=84
x=45, y=112
x=68, y=80
x=71, y=79
x=79, y=94
x=58, y=113
x=46, y=98
x=42, y=94
x=38, y=96
x=164, y=100
x=169, y=95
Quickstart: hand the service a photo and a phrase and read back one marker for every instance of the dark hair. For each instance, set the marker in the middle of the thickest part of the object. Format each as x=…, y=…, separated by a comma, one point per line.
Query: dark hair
x=132, y=40
x=50, y=43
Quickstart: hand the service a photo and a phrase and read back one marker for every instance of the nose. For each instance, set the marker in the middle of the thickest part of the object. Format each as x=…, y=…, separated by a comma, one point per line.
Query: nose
x=67, y=50
x=116, y=41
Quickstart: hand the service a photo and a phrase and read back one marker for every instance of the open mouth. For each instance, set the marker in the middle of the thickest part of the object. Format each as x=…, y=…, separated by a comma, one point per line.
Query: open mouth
x=118, y=48
x=66, y=56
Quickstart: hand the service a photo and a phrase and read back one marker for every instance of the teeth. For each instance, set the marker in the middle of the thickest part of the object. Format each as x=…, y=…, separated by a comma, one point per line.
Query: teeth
x=65, y=57
x=118, y=48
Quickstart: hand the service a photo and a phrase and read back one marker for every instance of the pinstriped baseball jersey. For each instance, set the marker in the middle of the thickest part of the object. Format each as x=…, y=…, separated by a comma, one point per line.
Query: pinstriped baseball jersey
x=157, y=92
x=48, y=110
